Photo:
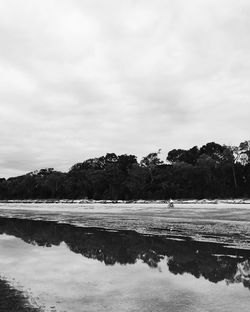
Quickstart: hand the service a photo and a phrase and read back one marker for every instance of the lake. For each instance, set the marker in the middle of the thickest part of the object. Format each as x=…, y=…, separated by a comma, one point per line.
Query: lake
x=124, y=257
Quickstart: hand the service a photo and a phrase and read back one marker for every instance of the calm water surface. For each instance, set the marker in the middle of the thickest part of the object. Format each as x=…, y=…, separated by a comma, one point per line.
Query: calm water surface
x=62, y=267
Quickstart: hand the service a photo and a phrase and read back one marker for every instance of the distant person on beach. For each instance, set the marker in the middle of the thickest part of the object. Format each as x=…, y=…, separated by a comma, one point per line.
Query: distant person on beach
x=171, y=203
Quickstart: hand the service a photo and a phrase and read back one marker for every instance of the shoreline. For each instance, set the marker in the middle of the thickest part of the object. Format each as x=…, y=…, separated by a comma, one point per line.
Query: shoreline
x=89, y=201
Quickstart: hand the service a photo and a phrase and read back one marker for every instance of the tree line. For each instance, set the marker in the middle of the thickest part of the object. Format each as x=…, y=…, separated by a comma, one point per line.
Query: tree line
x=211, y=171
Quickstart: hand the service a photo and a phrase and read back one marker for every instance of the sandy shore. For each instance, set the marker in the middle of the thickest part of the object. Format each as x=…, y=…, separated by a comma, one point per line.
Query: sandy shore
x=88, y=201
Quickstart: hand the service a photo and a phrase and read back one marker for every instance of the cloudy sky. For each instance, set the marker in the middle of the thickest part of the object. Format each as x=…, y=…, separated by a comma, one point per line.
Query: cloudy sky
x=80, y=78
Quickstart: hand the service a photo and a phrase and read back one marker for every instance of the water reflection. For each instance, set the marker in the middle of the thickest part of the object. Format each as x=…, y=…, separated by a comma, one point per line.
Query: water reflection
x=212, y=261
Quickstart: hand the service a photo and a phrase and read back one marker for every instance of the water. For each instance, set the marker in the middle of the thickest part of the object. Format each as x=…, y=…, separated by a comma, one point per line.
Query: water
x=47, y=265
x=226, y=223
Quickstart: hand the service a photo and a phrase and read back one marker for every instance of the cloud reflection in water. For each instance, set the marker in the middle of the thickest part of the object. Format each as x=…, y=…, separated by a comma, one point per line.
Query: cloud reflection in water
x=97, y=270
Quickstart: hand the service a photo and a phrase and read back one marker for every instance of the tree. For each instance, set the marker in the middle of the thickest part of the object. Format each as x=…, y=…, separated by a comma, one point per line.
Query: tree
x=176, y=155
x=151, y=160
x=125, y=162
x=180, y=155
x=111, y=158
x=244, y=150
x=214, y=150
x=232, y=156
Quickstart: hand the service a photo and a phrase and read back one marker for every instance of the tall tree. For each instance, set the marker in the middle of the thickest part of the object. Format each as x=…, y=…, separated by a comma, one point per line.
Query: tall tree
x=150, y=162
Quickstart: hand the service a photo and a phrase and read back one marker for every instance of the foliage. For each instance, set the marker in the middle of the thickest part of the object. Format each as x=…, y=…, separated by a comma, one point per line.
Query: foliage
x=212, y=171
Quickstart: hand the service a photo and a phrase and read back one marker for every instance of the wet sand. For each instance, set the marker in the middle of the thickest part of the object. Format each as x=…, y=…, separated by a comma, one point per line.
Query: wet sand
x=206, y=222
x=13, y=300
x=125, y=257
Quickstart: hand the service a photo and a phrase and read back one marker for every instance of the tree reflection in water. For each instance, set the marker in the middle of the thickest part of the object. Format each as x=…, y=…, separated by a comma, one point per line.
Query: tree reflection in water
x=215, y=262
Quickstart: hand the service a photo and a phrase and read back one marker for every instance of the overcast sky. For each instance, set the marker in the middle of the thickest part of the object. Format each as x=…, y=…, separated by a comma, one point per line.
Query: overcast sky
x=81, y=78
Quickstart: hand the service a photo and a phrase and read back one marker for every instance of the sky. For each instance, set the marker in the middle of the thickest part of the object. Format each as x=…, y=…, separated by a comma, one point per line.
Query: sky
x=81, y=78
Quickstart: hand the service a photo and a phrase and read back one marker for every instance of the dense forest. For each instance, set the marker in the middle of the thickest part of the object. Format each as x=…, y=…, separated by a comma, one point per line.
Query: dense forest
x=211, y=171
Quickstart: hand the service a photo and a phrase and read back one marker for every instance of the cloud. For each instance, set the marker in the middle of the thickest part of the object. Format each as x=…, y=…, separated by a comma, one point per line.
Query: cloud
x=82, y=78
